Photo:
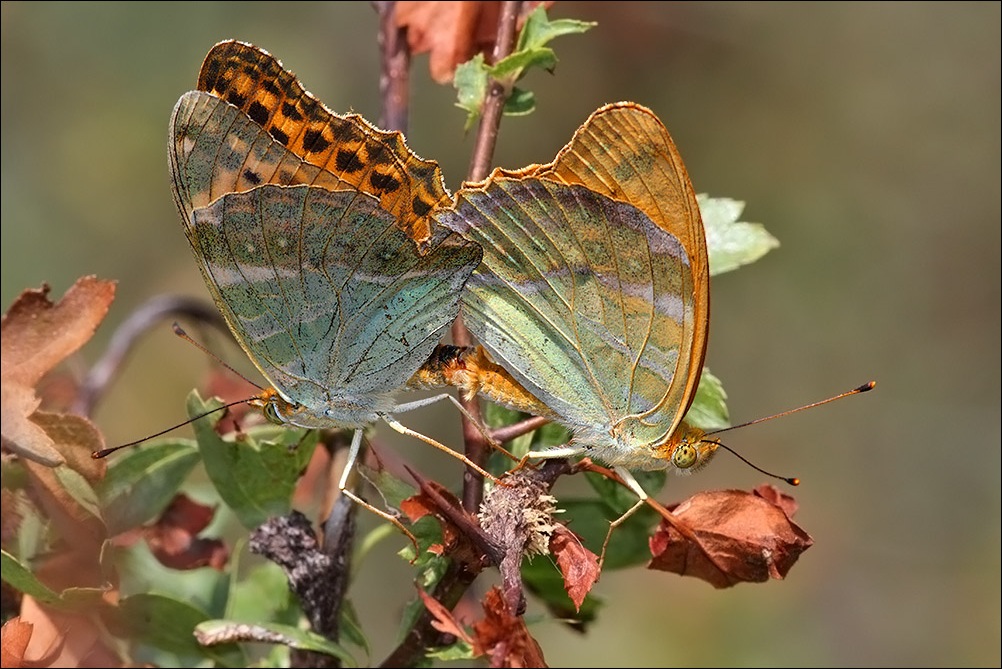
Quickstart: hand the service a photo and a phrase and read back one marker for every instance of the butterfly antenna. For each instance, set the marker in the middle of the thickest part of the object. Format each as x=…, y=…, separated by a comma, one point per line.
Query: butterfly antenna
x=792, y=480
x=855, y=391
x=179, y=331
x=104, y=452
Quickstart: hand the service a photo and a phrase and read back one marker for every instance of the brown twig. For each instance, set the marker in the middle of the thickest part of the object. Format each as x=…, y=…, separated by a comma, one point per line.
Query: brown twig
x=394, y=73
x=483, y=154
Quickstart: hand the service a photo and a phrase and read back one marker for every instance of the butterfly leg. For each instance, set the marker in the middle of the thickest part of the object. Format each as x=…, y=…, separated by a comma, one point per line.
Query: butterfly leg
x=349, y=465
x=417, y=404
x=565, y=451
x=403, y=429
x=631, y=482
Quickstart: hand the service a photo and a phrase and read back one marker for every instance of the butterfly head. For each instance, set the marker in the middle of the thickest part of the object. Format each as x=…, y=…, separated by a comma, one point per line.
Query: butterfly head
x=687, y=450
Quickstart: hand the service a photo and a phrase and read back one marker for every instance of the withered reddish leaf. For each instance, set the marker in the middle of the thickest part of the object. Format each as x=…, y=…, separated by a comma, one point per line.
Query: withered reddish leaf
x=422, y=504
x=16, y=634
x=771, y=493
x=742, y=537
x=417, y=507
x=35, y=336
x=452, y=32
x=443, y=621
x=578, y=565
x=504, y=636
x=173, y=538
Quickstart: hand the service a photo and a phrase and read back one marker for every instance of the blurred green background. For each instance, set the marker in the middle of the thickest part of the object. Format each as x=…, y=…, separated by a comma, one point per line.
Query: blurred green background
x=865, y=136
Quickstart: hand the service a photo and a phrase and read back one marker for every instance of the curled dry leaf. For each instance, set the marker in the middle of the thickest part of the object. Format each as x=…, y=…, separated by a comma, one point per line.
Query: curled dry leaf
x=36, y=336
x=504, y=636
x=16, y=635
x=742, y=537
x=578, y=565
x=452, y=32
x=442, y=618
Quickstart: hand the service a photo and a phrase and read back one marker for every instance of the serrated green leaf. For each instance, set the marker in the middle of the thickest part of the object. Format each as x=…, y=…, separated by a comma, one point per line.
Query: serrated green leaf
x=140, y=485
x=709, y=408
x=510, y=69
x=538, y=29
x=730, y=243
x=254, y=478
x=287, y=635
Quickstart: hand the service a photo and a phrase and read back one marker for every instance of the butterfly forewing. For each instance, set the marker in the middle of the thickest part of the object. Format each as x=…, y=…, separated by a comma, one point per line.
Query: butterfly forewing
x=349, y=147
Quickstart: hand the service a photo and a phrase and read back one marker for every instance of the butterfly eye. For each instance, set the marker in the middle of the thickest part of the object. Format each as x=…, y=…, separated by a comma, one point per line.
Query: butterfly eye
x=271, y=412
x=685, y=455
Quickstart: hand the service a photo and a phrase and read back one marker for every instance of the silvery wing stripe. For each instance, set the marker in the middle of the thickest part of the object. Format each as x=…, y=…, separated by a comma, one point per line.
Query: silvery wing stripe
x=319, y=335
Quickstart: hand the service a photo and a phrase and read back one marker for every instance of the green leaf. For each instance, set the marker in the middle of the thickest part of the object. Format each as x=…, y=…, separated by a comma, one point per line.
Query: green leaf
x=254, y=478
x=79, y=489
x=470, y=82
x=538, y=30
x=19, y=577
x=286, y=635
x=472, y=78
x=730, y=243
x=709, y=408
x=263, y=594
x=628, y=544
x=140, y=572
x=458, y=650
x=520, y=102
x=168, y=624
x=510, y=69
x=140, y=485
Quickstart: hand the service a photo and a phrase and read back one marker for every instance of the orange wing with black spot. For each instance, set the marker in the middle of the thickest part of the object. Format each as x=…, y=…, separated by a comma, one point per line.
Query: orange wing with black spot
x=357, y=154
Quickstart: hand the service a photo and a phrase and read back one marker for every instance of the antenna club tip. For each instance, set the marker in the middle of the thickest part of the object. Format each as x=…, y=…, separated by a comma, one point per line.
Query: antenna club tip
x=178, y=330
x=793, y=481
x=98, y=455
x=866, y=386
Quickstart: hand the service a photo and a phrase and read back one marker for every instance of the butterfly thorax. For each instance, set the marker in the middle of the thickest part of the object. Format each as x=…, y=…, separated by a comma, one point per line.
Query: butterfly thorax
x=338, y=412
x=685, y=449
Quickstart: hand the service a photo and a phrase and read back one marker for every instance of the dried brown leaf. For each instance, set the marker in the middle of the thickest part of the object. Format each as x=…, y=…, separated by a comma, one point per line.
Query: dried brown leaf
x=504, y=636
x=741, y=537
x=14, y=638
x=578, y=565
x=444, y=621
x=35, y=336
